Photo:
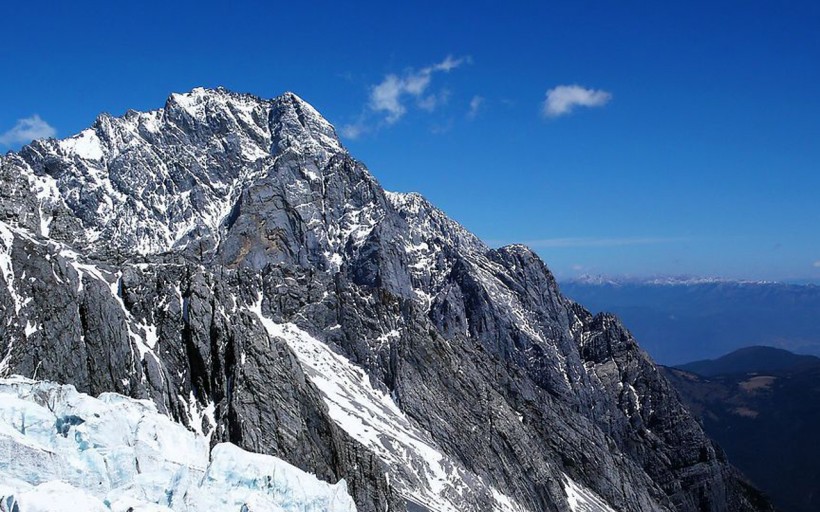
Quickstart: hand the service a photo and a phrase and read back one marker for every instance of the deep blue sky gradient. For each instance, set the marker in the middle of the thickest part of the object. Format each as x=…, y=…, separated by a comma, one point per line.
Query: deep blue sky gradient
x=706, y=161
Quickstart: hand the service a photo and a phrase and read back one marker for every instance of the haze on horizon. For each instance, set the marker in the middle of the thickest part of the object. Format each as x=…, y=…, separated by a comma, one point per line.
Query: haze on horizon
x=674, y=139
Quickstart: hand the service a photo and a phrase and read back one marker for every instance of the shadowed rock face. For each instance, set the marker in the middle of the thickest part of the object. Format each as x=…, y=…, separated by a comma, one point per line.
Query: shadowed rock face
x=228, y=259
x=763, y=405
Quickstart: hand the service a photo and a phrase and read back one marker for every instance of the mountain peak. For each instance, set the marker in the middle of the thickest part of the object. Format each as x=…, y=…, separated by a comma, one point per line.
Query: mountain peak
x=754, y=359
x=225, y=257
x=199, y=95
x=199, y=101
x=295, y=123
x=292, y=97
x=292, y=121
x=150, y=181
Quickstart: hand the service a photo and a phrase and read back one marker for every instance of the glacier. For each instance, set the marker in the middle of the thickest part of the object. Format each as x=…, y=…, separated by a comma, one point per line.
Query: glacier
x=61, y=450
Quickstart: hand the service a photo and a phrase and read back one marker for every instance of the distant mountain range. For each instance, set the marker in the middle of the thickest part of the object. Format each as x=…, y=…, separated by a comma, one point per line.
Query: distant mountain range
x=762, y=405
x=678, y=320
x=751, y=360
x=599, y=279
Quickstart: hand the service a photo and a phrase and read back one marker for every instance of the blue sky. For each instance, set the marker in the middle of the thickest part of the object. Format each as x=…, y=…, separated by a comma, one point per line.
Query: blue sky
x=691, y=144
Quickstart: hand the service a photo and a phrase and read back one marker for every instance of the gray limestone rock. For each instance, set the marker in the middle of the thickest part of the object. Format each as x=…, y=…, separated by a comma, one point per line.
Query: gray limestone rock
x=227, y=258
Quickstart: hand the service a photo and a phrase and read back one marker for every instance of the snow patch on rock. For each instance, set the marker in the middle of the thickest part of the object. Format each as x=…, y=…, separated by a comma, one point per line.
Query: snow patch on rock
x=85, y=144
x=582, y=499
x=421, y=472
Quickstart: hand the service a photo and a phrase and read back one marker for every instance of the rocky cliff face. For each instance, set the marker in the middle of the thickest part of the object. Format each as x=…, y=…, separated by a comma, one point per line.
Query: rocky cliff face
x=228, y=259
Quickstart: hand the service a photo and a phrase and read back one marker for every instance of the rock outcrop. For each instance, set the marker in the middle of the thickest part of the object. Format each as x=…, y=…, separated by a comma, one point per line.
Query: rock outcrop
x=227, y=258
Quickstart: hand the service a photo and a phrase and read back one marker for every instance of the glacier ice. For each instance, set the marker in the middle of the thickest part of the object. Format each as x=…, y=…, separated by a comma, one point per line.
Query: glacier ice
x=61, y=450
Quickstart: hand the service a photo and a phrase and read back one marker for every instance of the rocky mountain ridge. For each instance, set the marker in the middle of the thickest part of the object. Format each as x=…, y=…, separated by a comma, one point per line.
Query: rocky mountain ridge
x=754, y=359
x=227, y=258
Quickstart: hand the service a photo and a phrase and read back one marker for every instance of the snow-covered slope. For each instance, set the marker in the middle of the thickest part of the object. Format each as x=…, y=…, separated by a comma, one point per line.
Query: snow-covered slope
x=422, y=472
x=61, y=450
x=582, y=499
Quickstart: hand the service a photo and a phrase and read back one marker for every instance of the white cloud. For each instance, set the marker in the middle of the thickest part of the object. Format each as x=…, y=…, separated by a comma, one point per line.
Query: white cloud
x=451, y=63
x=433, y=101
x=390, y=99
x=353, y=130
x=388, y=96
x=440, y=128
x=385, y=97
x=27, y=130
x=428, y=103
x=563, y=99
x=816, y=264
x=475, y=106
